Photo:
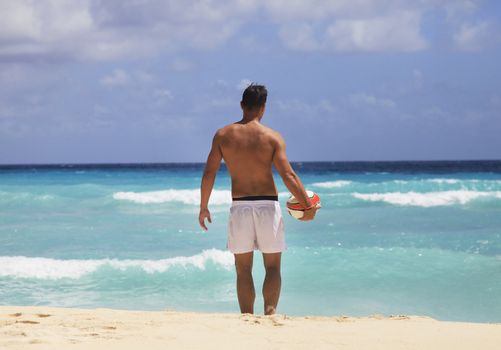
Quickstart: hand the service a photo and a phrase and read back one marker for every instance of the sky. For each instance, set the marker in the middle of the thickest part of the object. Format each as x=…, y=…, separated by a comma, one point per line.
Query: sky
x=116, y=81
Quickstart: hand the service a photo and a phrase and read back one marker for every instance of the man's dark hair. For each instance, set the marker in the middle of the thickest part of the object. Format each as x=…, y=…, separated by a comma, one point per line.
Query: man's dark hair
x=254, y=96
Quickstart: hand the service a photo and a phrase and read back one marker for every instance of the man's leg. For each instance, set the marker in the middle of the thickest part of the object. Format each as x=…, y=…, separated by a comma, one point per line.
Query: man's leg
x=245, y=284
x=272, y=282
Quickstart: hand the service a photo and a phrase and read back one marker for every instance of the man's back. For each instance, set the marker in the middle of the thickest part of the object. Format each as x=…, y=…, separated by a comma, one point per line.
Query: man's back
x=247, y=149
x=255, y=222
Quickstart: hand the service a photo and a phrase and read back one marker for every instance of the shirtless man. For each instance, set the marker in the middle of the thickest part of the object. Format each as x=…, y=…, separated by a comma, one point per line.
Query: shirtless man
x=249, y=149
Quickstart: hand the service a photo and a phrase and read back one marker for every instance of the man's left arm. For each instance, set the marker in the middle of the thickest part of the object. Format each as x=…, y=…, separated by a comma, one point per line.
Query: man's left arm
x=211, y=167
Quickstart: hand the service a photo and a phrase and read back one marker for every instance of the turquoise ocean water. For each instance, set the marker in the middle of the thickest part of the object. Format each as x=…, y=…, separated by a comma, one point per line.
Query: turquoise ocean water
x=391, y=238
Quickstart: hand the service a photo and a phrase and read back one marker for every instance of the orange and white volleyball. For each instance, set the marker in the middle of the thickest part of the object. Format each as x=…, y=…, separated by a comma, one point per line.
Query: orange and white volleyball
x=295, y=208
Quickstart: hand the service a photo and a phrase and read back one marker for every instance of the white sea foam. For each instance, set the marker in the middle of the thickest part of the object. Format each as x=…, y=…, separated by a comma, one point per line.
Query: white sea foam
x=450, y=181
x=46, y=268
x=24, y=196
x=331, y=184
x=444, y=181
x=191, y=196
x=437, y=181
x=427, y=199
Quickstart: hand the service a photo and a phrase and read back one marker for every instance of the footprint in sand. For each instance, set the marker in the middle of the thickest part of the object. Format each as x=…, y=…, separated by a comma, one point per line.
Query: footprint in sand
x=43, y=315
x=27, y=321
x=17, y=314
x=275, y=322
x=344, y=318
x=399, y=317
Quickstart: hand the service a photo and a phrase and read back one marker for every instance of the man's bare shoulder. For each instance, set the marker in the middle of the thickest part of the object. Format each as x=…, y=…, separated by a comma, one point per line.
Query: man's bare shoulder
x=275, y=135
x=232, y=130
x=226, y=129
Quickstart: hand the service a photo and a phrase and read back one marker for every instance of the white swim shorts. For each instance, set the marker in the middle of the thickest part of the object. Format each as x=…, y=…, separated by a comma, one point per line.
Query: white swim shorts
x=256, y=224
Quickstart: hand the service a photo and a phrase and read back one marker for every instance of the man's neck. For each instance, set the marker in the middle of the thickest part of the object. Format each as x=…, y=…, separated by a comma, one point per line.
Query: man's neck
x=248, y=118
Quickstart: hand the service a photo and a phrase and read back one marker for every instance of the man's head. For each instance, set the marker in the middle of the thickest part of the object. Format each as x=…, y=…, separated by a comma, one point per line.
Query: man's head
x=254, y=98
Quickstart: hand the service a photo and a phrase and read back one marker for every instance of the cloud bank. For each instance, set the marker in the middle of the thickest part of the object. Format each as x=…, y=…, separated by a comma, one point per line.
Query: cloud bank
x=56, y=30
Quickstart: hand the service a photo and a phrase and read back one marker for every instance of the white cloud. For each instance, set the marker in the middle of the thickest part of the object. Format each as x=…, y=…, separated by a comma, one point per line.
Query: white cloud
x=107, y=30
x=301, y=109
x=163, y=94
x=399, y=31
x=326, y=106
x=242, y=84
x=144, y=77
x=350, y=25
x=314, y=10
x=363, y=99
x=253, y=44
x=221, y=83
x=469, y=32
x=473, y=37
x=299, y=37
x=456, y=10
x=103, y=30
x=18, y=21
x=36, y=28
x=373, y=25
x=13, y=73
x=434, y=113
x=395, y=31
x=162, y=97
x=118, y=77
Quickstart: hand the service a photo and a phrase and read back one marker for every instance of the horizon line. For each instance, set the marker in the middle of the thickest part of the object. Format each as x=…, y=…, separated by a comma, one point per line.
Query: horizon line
x=292, y=161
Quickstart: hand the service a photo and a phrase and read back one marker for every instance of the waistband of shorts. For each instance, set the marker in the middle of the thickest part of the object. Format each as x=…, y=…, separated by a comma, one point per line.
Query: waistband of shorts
x=256, y=198
x=259, y=203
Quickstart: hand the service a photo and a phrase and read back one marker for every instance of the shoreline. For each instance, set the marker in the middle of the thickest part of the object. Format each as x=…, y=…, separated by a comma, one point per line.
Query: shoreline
x=43, y=327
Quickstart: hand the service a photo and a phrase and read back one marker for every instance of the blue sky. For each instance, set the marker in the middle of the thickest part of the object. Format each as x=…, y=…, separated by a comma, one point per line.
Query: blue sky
x=151, y=81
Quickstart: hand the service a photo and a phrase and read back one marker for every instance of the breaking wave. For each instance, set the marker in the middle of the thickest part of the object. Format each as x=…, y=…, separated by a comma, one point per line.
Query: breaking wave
x=47, y=268
x=191, y=196
x=24, y=196
x=331, y=184
x=444, y=181
x=427, y=199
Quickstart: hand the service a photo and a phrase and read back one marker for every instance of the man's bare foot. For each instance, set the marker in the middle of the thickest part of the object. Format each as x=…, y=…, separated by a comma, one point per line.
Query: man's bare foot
x=269, y=310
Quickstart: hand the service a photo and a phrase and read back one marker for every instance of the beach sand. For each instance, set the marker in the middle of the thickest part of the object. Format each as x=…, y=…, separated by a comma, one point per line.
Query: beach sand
x=67, y=328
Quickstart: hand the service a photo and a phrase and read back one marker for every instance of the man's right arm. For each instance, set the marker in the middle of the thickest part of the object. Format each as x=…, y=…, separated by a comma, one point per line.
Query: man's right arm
x=210, y=171
x=291, y=180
